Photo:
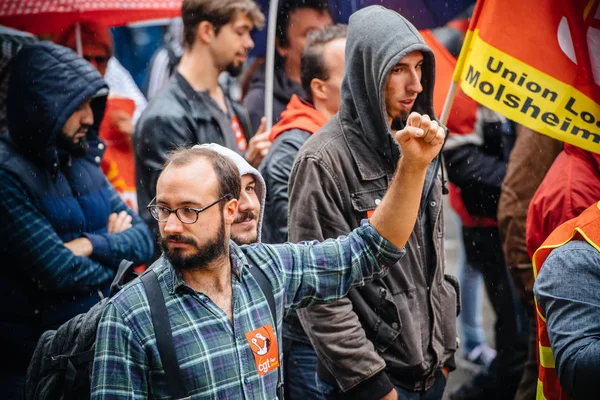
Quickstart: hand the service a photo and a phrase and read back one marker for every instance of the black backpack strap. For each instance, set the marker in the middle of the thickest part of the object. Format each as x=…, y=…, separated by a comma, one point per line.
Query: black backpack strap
x=267, y=289
x=123, y=275
x=164, y=335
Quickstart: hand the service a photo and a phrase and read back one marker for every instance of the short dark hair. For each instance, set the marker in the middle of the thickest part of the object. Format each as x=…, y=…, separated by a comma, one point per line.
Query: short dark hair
x=218, y=13
x=312, y=64
x=287, y=8
x=227, y=172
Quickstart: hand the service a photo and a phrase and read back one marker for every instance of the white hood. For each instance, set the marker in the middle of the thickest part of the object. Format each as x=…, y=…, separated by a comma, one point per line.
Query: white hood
x=244, y=168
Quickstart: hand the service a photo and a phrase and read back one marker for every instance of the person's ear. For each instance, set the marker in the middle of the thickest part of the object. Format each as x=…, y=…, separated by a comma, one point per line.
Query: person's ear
x=318, y=88
x=282, y=51
x=230, y=211
x=205, y=32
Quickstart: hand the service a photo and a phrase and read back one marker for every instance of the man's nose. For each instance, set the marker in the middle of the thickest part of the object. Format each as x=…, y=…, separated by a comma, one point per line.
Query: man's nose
x=245, y=203
x=415, y=85
x=173, y=224
x=249, y=42
x=88, y=116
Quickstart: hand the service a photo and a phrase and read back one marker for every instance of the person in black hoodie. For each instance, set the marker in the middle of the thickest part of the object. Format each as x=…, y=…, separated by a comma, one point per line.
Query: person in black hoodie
x=295, y=19
x=63, y=228
x=395, y=337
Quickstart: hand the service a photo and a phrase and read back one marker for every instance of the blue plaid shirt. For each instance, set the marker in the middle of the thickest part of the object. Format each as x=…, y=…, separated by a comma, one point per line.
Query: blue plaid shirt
x=215, y=359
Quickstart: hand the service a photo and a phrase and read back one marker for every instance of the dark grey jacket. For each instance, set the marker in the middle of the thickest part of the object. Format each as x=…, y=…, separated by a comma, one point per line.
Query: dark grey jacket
x=275, y=169
x=177, y=116
x=401, y=329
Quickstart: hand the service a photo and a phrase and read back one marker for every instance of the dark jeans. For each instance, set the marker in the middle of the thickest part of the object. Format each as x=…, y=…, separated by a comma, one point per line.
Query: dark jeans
x=435, y=392
x=484, y=252
x=300, y=371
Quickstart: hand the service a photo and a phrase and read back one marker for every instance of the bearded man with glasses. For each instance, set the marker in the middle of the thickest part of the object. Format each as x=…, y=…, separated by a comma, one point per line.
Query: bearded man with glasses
x=220, y=316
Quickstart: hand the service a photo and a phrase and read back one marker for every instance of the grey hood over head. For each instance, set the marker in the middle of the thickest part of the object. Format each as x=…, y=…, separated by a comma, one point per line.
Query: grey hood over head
x=244, y=168
x=377, y=39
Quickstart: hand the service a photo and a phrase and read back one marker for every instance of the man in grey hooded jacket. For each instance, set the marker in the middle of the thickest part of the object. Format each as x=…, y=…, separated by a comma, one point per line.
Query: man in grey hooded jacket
x=395, y=337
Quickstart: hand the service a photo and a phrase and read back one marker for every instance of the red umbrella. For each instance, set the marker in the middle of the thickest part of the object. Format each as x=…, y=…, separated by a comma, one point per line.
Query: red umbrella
x=52, y=16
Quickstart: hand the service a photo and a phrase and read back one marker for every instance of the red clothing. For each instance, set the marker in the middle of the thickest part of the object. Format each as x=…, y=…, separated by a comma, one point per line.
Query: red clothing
x=117, y=163
x=298, y=114
x=571, y=185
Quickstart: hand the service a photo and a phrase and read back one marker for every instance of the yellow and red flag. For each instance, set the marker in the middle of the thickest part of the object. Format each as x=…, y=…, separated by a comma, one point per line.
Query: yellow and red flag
x=538, y=64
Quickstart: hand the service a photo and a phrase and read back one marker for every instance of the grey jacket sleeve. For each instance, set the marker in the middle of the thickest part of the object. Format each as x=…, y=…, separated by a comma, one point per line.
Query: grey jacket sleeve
x=317, y=212
x=276, y=171
x=567, y=290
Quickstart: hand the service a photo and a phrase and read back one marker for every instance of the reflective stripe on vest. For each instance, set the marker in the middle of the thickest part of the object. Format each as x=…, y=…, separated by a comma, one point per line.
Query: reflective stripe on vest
x=587, y=226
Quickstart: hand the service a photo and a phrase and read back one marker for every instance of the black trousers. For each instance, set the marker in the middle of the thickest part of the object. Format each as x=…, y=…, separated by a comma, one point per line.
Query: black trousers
x=484, y=252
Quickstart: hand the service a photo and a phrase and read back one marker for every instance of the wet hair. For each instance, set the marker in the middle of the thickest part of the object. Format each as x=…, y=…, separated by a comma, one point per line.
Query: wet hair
x=312, y=64
x=218, y=13
x=227, y=172
x=287, y=8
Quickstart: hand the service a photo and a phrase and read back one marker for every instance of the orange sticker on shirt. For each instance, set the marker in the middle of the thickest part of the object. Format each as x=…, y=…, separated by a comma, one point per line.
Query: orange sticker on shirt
x=370, y=213
x=240, y=139
x=263, y=343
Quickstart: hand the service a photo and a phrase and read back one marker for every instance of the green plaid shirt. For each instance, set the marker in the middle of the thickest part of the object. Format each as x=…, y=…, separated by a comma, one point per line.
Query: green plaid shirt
x=215, y=359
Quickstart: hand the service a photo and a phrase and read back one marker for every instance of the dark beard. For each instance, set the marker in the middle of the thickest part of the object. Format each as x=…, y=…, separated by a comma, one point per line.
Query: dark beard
x=79, y=149
x=201, y=257
x=234, y=71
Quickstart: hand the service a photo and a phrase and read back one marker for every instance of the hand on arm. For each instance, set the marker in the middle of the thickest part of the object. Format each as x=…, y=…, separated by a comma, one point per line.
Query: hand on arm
x=420, y=142
x=81, y=247
x=259, y=145
x=127, y=236
x=119, y=222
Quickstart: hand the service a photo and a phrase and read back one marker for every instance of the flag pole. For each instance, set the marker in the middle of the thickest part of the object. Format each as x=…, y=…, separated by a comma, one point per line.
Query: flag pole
x=78, y=44
x=448, y=103
x=270, y=63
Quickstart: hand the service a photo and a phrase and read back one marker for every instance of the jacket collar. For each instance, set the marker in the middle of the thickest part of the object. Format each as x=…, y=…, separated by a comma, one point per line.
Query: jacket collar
x=199, y=109
x=366, y=157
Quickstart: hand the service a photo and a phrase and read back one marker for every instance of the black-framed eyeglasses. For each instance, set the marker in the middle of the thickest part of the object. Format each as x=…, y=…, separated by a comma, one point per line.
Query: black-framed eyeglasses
x=187, y=215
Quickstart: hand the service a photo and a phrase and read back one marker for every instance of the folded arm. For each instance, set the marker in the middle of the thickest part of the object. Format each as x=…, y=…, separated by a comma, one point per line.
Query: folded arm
x=29, y=236
x=133, y=244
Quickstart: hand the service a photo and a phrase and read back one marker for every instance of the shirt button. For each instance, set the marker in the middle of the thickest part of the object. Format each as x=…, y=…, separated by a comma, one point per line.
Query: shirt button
x=395, y=325
x=246, y=380
x=377, y=201
x=433, y=204
x=101, y=146
x=97, y=159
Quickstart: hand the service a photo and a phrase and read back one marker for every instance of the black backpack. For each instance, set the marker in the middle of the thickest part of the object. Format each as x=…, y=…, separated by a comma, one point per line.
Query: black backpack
x=61, y=365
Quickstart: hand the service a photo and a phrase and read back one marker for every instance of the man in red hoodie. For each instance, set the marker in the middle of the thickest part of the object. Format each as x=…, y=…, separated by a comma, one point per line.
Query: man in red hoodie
x=322, y=70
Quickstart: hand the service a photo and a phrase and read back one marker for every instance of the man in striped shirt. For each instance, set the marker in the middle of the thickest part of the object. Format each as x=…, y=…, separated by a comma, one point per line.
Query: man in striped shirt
x=221, y=323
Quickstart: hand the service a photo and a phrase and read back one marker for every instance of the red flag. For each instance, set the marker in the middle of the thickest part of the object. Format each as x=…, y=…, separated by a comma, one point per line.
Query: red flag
x=537, y=63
